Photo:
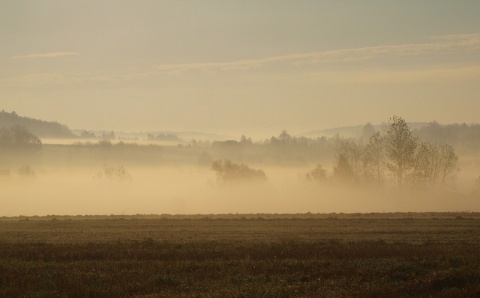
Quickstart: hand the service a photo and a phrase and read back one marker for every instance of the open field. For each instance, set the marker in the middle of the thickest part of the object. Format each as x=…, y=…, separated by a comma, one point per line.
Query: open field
x=266, y=255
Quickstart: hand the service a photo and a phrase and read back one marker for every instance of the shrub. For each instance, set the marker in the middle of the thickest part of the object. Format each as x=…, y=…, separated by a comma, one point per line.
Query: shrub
x=115, y=173
x=4, y=172
x=26, y=171
x=227, y=171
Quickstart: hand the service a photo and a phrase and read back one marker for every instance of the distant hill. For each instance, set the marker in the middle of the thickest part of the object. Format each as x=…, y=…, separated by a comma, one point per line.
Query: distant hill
x=464, y=137
x=40, y=128
x=357, y=131
x=346, y=131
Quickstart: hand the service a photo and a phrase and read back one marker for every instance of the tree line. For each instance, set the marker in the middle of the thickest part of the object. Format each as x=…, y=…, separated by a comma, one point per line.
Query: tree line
x=43, y=129
x=393, y=155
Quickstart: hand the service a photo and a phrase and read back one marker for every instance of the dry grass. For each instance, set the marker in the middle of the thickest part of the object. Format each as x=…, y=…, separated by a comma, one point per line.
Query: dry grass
x=335, y=255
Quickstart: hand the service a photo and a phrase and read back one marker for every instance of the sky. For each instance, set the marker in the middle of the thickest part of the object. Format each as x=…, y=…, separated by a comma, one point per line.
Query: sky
x=239, y=67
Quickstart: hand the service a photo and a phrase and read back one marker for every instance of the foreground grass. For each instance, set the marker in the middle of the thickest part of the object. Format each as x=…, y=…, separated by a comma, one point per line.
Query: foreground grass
x=298, y=265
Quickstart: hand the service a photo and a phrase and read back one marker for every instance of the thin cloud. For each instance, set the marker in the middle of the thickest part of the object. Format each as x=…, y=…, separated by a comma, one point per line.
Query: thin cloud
x=390, y=77
x=47, y=55
x=436, y=45
x=38, y=79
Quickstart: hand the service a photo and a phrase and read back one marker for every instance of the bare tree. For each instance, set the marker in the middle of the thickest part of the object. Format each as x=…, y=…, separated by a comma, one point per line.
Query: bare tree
x=348, y=162
x=426, y=166
x=374, y=159
x=435, y=165
x=400, y=147
x=448, y=168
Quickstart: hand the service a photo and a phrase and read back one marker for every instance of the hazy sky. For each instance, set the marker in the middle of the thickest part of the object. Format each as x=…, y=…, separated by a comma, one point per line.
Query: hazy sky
x=239, y=67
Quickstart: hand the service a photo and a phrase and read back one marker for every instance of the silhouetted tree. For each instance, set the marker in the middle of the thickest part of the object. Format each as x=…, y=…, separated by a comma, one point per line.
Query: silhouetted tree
x=18, y=136
x=400, y=147
x=108, y=136
x=374, y=158
x=343, y=169
x=425, y=170
x=367, y=131
x=246, y=141
x=435, y=165
x=348, y=161
x=448, y=163
x=318, y=174
x=87, y=135
x=284, y=137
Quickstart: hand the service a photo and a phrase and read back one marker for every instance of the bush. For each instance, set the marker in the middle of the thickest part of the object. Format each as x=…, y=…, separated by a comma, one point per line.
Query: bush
x=26, y=171
x=4, y=172
x=114, y=173
x=227, y=171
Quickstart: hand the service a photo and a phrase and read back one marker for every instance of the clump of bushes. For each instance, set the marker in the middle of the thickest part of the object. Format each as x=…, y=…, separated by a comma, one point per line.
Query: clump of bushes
x=26, y=171
x=113, y=173
x=4, y=172
x=228, y=171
